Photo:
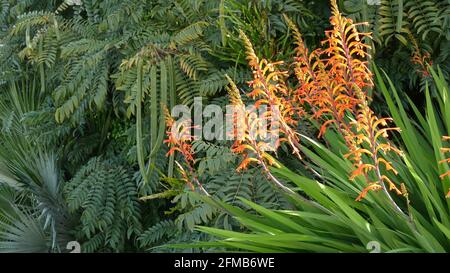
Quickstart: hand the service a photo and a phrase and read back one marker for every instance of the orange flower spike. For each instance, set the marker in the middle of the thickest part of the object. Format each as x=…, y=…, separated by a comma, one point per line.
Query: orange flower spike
x=345, y=46
x=371, y=132
x=305, y=65
x=185, y=176
x=442, y=176
x=249, y=142
x=248, y=123
x=179, y=139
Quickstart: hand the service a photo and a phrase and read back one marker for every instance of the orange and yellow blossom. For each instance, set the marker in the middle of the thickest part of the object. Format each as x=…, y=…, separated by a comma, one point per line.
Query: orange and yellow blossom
x=179, y=139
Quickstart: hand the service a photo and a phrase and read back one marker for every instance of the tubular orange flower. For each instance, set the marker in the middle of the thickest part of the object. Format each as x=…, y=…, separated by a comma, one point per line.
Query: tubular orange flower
x=445, y=174
x=369, y=148
x=249, y=146
x=445, y=161
x=347, y=53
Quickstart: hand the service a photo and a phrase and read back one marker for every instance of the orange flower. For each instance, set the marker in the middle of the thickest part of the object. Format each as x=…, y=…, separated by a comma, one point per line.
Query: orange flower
x=442, y=176
x=252, y=144
x=179, y=137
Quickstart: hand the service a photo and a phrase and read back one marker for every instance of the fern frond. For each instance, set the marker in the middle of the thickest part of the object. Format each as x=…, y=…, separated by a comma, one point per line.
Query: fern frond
x=154, y=234
x=392, y=23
